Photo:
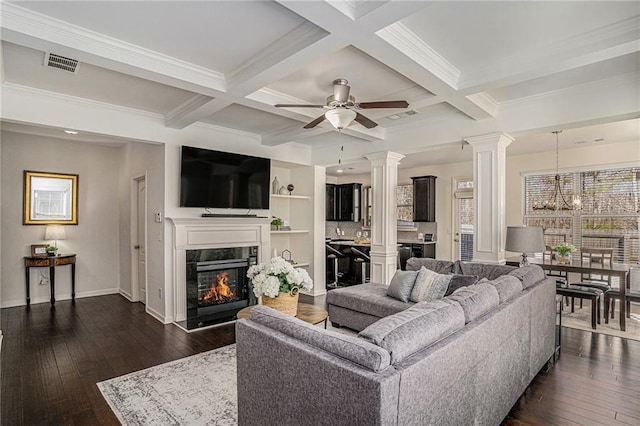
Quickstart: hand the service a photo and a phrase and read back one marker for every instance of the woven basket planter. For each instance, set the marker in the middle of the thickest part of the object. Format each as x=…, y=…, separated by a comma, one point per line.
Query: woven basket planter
x=287, y=303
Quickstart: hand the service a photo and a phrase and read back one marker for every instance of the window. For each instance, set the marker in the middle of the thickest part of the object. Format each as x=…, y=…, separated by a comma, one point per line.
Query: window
x=609, y=215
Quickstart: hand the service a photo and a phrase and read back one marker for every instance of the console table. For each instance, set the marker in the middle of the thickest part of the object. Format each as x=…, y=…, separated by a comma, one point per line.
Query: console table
x=51, y=262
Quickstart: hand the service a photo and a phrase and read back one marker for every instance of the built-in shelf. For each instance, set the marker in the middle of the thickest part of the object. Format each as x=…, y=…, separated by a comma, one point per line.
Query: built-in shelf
x=291, y=197
x=300, y=265
x=293, y=231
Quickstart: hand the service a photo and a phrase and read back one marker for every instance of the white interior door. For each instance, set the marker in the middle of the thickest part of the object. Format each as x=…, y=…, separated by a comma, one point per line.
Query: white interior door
x=141, y=240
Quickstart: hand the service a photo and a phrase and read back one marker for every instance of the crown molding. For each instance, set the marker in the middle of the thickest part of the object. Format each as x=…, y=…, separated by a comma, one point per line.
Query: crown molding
x=295, y=40
x=46, y=28
x=272, y=97
x=18, y=89
x=626, y=80
x=485, y=101
x=355, y=9
x=614, y=40
x=407, y=42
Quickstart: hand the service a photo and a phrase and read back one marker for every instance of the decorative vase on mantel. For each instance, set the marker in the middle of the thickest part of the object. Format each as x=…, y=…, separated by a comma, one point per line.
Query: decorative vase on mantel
x=286, y=302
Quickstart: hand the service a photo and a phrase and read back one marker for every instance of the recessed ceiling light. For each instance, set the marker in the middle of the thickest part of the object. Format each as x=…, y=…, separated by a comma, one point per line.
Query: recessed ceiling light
x=393, y=117
x=71, y=132
x=339, y=171
x=599, y=140
x=579, y=142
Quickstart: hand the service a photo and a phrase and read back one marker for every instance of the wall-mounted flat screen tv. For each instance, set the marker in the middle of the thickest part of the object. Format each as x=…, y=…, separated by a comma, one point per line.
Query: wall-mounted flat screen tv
x=215, y=179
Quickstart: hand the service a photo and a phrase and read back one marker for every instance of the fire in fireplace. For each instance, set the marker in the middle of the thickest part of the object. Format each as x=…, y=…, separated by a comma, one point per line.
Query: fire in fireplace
x=217, y=284
x=219, y=291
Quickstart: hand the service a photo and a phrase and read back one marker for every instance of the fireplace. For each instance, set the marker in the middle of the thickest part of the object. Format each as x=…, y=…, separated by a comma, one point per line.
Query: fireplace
x=217, y=284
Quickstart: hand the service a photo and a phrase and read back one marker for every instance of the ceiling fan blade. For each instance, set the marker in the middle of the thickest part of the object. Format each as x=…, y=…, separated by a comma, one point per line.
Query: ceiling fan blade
x=369, y=124
x=315, y=122
x=297, y=106
x=384, y=104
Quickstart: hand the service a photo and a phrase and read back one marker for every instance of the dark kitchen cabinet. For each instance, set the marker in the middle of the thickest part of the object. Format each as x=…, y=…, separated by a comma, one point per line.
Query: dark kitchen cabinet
x=343, y=202
x=421, y=250
x=424, y=198
x=331, y=213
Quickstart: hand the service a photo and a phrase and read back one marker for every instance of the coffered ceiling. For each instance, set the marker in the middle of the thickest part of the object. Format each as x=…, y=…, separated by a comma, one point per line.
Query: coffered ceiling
x=466, y=69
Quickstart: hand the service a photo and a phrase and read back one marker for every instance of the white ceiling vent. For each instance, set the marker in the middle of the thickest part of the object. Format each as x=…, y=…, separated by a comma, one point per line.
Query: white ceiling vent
x=60, y=62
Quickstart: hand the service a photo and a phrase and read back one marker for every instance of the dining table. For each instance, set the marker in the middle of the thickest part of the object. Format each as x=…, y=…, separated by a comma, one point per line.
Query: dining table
x=582, y=265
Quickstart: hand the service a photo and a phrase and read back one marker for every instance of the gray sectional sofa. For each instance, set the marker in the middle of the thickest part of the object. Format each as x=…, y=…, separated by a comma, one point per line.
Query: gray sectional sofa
x=461, y=360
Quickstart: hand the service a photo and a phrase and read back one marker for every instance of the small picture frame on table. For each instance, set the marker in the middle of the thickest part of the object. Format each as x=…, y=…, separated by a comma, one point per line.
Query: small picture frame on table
x=286, y=255
x=39, y=250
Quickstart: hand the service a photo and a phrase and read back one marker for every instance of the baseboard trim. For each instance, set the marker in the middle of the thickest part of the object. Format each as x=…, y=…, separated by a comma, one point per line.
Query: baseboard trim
x=126, y=295
x=59, y=297
x=156, y=315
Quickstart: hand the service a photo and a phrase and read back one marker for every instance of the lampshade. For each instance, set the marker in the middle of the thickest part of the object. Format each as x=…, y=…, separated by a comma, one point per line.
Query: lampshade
x=525, y=239
x=54, y=232
x=340, y=117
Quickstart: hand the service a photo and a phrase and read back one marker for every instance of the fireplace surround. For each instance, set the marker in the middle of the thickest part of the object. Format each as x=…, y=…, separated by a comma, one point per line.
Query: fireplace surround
x=250, y=234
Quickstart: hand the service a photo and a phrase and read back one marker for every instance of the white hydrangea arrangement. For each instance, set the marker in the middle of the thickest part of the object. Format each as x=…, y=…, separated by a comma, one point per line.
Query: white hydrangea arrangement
x=277, y=275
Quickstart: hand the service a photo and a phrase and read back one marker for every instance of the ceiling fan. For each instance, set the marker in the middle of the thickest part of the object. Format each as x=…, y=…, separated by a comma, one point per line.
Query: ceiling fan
x=342, y=108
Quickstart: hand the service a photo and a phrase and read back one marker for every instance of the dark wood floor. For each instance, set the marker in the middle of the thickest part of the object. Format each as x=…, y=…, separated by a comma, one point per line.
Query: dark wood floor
x=53, y=358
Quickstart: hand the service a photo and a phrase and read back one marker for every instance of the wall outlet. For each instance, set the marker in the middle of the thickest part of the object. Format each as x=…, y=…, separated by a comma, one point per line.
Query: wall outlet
x=158, y=217
x=159, y=293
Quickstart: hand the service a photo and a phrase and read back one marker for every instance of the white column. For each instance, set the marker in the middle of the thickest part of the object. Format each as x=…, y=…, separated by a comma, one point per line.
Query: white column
x=384, y=227
x=489, y=176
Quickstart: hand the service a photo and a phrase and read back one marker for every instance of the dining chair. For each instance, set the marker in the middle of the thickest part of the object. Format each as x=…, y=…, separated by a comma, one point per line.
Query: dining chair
x=596, y=257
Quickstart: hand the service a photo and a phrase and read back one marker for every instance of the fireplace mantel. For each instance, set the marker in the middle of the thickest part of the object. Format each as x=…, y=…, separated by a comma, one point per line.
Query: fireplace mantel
x=215, y=232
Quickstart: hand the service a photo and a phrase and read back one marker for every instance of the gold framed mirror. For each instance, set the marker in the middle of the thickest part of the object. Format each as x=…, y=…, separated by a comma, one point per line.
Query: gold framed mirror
x=50, y=198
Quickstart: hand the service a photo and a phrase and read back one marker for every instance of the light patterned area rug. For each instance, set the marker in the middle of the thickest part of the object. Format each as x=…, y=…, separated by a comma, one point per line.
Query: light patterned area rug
x=581, y=319
x=197, y=390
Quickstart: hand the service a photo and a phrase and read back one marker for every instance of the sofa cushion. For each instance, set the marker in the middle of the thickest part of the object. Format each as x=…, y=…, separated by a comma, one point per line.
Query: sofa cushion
x=458, y=281
x=370, y=298
x=489, y=271
x=529, y=275
x=439, y=266
x=429, y=285
x=476, y=300
x=416, y=328
x=508, y=286
x=401, y=285
x=348, y=347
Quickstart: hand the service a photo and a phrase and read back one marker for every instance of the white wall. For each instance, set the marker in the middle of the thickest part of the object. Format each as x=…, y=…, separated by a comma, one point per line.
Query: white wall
x=141, y=159
x=94, y=239
x=579, y=157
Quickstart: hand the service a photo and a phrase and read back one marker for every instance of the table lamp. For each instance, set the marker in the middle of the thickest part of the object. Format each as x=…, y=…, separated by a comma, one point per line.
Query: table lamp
x=525, y=239
x=55, y=233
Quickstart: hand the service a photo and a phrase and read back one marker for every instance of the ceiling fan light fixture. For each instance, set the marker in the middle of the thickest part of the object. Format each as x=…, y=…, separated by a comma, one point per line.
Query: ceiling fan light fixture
x=340, y=117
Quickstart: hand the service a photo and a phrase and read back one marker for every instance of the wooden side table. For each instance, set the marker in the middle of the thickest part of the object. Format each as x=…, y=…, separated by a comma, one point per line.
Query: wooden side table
x=306, y=312
x=51, y=262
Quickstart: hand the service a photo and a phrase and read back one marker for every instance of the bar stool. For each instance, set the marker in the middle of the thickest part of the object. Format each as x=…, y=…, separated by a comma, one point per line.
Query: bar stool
x=332, y=257
x=363, y=259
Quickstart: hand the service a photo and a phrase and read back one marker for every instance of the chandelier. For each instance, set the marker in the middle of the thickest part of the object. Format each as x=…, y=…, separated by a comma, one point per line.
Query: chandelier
x=558, y=200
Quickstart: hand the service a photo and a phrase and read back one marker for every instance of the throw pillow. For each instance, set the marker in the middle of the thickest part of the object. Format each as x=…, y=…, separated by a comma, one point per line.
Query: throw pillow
x=458, y=281
x=429, y=286
x=402, y=284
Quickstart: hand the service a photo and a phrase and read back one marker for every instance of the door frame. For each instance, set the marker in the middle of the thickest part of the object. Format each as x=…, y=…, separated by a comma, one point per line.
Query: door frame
x=455, y=195
x=133, y=221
